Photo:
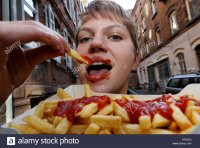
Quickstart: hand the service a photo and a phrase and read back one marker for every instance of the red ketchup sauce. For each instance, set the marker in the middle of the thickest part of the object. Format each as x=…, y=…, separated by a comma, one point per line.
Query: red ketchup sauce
x=94, y=78
x=160, y=105
x=70, y=109
x=102, y=74
x=87, y=59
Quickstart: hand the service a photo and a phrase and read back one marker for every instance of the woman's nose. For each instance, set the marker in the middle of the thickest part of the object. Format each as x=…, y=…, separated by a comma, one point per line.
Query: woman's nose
x=97, y=45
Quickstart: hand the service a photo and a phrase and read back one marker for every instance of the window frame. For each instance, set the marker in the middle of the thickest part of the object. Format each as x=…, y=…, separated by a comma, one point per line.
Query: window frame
x=153, y=7
x=172, y=17
x=188, y=8
x=50, y=17
x=34, y=10
x=144, y=26
x=181, y=62
x=158, y=36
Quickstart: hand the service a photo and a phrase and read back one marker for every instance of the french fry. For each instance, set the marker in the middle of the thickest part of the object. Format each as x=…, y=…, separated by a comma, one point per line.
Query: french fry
x=83, y=120
x=88, y=110
x=195, y=117
x=92, y=129
x=39, y=111
x=24, y=129
x=105, y=132
x=188, y=130
x=50, y=105
x=63, y=126
x=50, y=119
x=119, y=111
x=131, y=128
x=189, y=110
x=39, y=124
x=108, y=109
x=62, y=94
x=111, y=119
x=88, y=92
x=77, y=56
x=77, y=129
x=145, y=122
x=182, y=121
x=106, y=121
x=173, y=126
x=57, y=120
x=118, y=130
x=160, y=121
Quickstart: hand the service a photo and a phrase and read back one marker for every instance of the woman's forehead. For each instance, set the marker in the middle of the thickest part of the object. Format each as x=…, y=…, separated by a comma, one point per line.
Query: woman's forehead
x=102, y=16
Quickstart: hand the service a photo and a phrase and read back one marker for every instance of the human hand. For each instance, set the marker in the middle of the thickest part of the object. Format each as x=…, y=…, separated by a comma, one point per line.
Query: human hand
x=16, y=63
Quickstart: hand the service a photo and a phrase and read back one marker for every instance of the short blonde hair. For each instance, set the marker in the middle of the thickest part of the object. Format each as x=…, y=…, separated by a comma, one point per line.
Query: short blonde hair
x=109, y=9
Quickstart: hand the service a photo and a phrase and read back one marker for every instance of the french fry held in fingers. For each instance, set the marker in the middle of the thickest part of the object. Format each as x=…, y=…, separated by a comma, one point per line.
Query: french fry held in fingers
x=77, y=56
x=112, y=115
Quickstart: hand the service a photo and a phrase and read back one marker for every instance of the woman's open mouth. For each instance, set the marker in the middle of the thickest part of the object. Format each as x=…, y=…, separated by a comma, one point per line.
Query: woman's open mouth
x=98, y=69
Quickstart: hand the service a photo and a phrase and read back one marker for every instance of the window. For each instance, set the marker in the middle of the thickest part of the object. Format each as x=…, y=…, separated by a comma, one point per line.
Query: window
x=65, y=34
x=173, y=22
x=143, y=23
x=151, y=73
x=153, y=7
x=174, y=83
x=197, y=80
x=30, y=10
x=138, y=32
x=141, y=75
x=181, y=63
x=164, y=71
x=192, y=8
x=144, y=74
x=158, y=37
x=184, y=82
x=49, y=17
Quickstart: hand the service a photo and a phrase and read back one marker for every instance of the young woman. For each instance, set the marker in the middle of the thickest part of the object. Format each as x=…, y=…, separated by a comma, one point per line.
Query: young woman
x=107, y=37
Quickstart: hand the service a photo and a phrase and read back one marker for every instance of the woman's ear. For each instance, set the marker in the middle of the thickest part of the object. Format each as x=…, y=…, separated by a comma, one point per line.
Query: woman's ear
x=136, y=61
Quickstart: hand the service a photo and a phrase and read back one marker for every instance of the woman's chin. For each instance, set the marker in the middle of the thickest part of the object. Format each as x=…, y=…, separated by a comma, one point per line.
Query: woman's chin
x=100, y=86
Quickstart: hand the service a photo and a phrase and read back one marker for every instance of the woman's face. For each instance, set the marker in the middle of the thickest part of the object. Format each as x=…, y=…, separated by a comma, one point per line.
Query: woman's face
x=108, y=44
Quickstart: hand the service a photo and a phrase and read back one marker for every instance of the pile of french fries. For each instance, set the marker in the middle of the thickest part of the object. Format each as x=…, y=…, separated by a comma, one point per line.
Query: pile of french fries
x=112, y=119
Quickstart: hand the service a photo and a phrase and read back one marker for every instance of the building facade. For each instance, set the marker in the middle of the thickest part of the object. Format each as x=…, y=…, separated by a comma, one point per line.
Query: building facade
x=168, y=38
x=61, y=16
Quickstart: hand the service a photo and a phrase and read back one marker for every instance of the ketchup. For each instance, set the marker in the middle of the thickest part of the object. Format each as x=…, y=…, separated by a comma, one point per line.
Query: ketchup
x=70, y=109
x=134, y=108
x=182, y=103
x=96, y=77
x=87, y=59
x=160, y=105
x=99, y=74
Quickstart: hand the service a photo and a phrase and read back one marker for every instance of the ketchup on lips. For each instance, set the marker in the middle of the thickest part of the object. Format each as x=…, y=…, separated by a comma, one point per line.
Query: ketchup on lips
x=95, y=75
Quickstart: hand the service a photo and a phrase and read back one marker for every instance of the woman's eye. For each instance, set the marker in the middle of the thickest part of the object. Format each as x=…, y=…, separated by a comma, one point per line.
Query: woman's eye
x=115, y=37
x=84, y=39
